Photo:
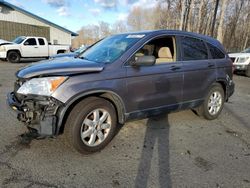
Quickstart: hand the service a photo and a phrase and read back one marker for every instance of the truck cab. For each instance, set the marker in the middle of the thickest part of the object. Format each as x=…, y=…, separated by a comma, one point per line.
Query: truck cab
x=30, y=47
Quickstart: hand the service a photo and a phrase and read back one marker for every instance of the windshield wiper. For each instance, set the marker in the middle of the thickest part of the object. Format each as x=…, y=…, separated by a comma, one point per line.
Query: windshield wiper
x=82, y=57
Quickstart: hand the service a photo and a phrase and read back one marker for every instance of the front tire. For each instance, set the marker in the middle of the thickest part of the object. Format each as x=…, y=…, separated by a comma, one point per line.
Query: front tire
x=14, y=57
x=91, y=125
x=213, y=104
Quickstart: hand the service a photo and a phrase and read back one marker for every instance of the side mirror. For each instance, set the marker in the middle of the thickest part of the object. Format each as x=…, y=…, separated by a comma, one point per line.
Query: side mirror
x=144, y=61
x=26, y=43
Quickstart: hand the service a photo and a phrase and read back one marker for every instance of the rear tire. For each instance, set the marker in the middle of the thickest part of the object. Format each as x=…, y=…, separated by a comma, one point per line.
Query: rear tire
x=13, y=57
x=213, y=103
x=91, y=125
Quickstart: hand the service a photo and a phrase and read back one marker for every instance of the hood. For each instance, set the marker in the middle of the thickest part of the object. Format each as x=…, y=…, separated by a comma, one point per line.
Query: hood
x=238, y=54
x=71, y=54
x=3, y=42
x=244, y=55
x=60, y=67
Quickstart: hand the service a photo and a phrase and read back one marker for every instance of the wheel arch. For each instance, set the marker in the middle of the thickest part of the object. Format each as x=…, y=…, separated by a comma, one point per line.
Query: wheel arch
x=223, y=84
x=110, y=96
x=14, y=50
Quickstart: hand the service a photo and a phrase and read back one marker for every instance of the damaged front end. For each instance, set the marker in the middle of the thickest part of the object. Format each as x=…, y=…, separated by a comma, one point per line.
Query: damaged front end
x=38, y=113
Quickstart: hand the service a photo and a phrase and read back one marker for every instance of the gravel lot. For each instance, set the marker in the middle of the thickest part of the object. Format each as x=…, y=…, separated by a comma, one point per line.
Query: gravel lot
x=176, y=150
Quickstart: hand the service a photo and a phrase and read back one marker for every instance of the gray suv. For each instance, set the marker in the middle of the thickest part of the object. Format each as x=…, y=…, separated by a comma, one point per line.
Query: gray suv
x=120, y=78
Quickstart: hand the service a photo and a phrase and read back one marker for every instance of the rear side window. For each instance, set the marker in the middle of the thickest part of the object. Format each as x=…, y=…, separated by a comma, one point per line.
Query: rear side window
x=41, y=42
x=30, y=42
x=193, y=49
x=215, y=52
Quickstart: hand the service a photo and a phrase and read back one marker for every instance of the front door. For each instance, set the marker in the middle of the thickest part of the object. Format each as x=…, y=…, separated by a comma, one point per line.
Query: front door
x=157, y=87
x=30, y=48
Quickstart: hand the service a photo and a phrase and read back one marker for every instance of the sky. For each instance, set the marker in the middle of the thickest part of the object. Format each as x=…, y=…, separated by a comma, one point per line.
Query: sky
x=73, y=14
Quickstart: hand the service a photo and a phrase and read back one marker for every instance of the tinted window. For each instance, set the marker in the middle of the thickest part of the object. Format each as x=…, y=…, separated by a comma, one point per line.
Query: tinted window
x=215, y=52
x=41, y=42
x=30, y=41
x=193, y=49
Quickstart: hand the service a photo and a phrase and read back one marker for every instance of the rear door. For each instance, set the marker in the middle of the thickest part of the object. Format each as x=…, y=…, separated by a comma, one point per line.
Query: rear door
x=30, y=48
x=199, y=70
x=43, y=48
x=151, y=89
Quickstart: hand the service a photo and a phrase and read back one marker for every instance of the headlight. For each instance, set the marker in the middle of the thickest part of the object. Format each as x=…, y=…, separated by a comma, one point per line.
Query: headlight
x=41, y=86
x=2, y=49
x=242, y=59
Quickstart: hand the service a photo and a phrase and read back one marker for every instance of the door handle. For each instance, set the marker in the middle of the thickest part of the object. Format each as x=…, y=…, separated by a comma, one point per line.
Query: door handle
x=174, y=67
x=35, y=47
x=210, y=65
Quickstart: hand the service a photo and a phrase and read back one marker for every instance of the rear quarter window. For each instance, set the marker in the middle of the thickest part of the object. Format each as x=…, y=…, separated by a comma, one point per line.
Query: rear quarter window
x=215, y=52
x=41, y=42
x=193, y=49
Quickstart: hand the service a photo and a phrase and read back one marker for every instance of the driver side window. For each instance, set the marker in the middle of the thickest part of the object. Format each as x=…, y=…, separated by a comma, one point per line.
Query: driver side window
x=163, y=49
x=30, y=42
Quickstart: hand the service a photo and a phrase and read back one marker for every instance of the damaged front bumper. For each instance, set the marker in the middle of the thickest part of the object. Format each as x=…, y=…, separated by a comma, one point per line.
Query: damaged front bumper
x=37, y=112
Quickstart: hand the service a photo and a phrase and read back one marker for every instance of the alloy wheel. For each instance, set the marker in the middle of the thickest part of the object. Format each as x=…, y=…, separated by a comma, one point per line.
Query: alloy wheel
x=214, y=103
x=95, y=127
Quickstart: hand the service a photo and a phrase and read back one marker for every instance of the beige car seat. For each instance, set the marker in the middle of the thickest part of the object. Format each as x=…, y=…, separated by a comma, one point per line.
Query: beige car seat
x=164, y=55
x=141, y=52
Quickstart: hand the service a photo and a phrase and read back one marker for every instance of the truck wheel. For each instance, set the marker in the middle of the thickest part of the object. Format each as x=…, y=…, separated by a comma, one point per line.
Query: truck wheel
x=13, y=57
x=91, y=125
x=213, y=103
x=248, y=71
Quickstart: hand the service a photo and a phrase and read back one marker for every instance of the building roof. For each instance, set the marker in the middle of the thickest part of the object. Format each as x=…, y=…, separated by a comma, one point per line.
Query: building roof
x=11, y=6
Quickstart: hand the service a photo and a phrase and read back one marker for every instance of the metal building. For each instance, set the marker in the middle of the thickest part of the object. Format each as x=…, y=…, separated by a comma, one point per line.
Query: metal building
x=15, y=21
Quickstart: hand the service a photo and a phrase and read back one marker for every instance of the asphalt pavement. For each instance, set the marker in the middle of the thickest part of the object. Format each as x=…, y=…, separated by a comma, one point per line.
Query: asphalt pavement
x=176, y=150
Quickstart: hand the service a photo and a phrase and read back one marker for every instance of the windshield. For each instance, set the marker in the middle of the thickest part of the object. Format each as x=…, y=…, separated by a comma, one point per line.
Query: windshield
x=246, y=50
x=19, y=40
x=110, y=48
x=80, y=50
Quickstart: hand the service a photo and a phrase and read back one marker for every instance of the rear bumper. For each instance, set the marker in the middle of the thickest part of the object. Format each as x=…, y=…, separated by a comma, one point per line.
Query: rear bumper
x=36, y=114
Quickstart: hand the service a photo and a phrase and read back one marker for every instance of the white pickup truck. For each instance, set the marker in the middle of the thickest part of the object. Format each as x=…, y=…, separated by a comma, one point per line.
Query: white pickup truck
x=29, y=47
